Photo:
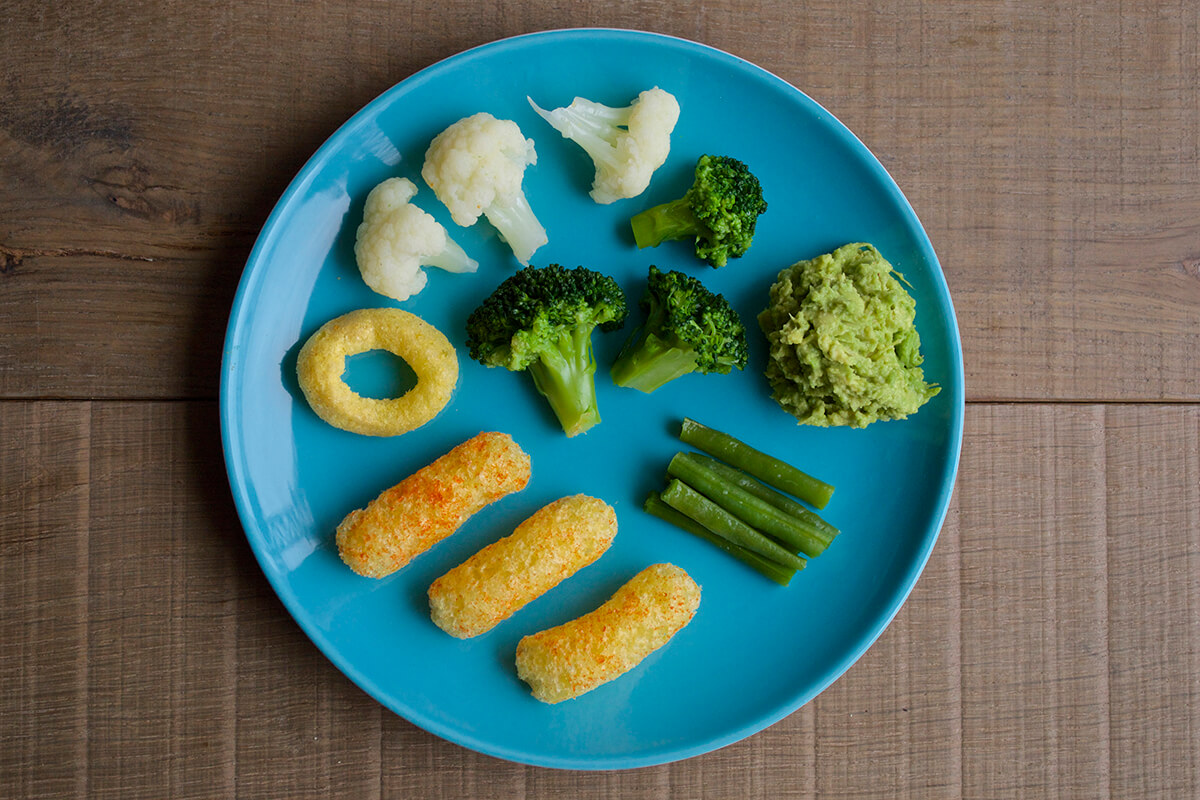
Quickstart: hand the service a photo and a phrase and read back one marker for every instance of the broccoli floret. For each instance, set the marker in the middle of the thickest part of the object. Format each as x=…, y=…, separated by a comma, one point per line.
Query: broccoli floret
x=687, y=329
x=541, y=320
x=719, y=211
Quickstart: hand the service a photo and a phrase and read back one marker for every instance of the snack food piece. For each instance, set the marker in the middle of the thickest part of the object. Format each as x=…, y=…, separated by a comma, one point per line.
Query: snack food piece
x=553, y=544
x=568, y=660
x=844, y=349
x=322, y=361
x=429, y=505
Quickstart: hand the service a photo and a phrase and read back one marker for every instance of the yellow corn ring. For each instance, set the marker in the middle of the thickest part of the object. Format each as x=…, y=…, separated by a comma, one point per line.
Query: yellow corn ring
x=322, y=360
x=429, y=505
x=566, y=661
x=546, y=549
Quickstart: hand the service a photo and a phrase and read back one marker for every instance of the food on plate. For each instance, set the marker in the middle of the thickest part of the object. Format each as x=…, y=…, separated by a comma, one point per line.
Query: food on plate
x=566, y=661
x=727, y=506
x=723, y=504
x=796, y=534
x=767, y=468
x=844, y=349
x=626, y=144
x=432, y=503
x=395, y=239
x=541, y=320
x=655, y=506
x=322, y=360
x=799, y=514
x=691, y=503
x=475, y=167
x=550, y=546
x=687, y=329
x=720, y=211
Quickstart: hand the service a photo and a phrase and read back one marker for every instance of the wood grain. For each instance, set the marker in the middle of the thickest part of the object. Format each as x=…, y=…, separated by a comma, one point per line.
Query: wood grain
x=1034, y=678
x=111, y=326
x=892, y=725
x=162, y=593
x=1153, y=595
x=44, y=532
x=1052, y=646
x=1054, y=158
x=1050, y=649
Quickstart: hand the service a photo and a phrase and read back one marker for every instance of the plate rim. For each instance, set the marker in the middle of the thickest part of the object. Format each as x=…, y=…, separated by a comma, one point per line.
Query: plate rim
x=654, y=755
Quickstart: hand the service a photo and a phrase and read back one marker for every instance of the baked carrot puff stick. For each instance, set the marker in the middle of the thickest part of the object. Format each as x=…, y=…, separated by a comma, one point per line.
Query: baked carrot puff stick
x=429, y=505
x=566, y=661
x=546, y=549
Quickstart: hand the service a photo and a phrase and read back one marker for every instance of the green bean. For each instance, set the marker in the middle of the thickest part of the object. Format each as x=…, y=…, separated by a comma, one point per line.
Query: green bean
x=777, y=572
x=787, y=505
x=691, y=503
x=768, y=469
x=756, y=513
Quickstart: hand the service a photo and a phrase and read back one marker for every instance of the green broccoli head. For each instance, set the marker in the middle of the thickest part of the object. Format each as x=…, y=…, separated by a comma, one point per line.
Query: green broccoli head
x=720, y=211
x=687, y=329
x=541, y=320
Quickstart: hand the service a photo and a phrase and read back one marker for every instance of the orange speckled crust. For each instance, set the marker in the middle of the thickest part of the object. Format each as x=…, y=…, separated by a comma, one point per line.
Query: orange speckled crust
x=431, y=504
x=322, y=360
x=552, y=545
x=566, y=661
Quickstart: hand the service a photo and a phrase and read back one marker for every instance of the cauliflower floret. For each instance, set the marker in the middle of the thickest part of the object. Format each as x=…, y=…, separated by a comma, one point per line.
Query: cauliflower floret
x=396, y=239
x=627, y=144
x=475, y=167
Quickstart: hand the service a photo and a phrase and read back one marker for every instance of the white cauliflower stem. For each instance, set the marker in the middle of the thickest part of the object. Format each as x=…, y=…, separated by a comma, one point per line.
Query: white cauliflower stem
x=475, y=167
x=627, y=144
x=395, y=239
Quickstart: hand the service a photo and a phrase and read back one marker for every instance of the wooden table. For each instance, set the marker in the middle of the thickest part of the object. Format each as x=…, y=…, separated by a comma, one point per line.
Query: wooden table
x=1052, y=648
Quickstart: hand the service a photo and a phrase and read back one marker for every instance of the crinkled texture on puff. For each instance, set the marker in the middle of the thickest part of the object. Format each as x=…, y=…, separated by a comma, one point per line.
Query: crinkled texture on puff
x=322, y=361
x=571, y=659
x=550, y=546
x=431, y=504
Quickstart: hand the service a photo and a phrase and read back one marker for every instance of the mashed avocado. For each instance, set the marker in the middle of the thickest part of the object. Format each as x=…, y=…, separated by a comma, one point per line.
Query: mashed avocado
x=844, y=350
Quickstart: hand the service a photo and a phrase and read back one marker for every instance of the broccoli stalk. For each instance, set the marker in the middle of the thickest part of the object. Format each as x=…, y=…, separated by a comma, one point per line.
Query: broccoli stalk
x=719, y=211
x=687, y=329
x=565, y=374
x=666, y=223
x=650, y=361
x=541, y=321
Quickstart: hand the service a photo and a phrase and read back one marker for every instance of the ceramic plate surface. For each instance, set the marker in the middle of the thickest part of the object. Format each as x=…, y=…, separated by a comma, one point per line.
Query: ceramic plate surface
x=755, y=652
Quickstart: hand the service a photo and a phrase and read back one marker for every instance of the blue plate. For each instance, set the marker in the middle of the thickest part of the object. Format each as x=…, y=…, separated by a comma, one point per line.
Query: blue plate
x=755, y=651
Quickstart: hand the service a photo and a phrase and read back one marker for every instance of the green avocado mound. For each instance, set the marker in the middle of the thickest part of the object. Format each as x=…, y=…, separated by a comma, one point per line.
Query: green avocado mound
x=843, y=348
